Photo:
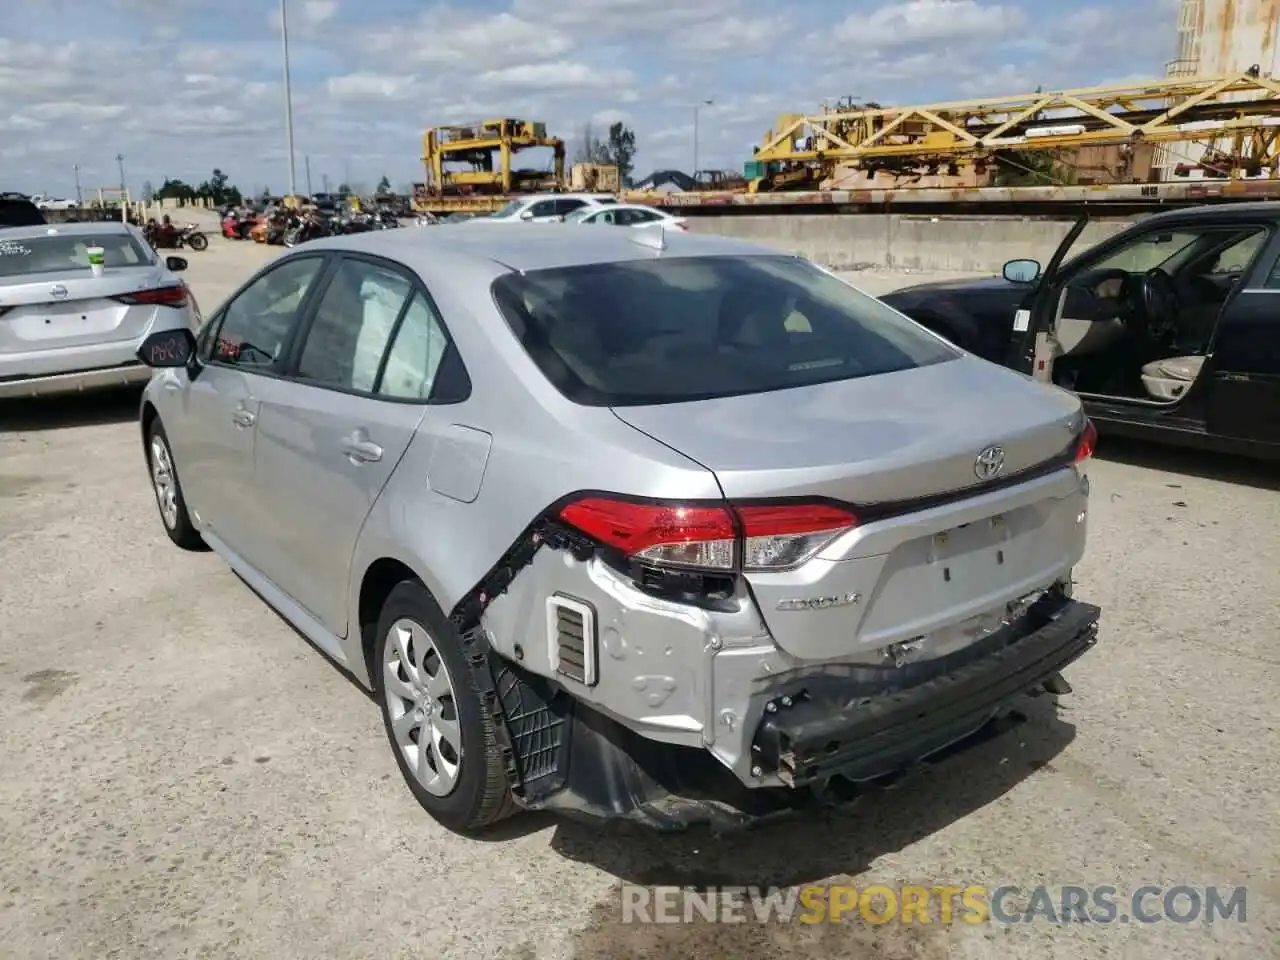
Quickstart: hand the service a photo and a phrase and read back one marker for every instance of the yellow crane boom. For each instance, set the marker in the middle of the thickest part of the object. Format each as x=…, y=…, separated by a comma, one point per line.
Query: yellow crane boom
x=1240, y=109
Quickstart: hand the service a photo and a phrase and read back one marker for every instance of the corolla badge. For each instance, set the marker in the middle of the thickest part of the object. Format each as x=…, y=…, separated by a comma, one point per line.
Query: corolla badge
x=58, y=291
x=989, y=463
x=818, y=603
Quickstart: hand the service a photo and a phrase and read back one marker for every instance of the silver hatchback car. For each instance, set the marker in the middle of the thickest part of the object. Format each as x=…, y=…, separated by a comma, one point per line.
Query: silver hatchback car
x=628, y=523
x=65, y=328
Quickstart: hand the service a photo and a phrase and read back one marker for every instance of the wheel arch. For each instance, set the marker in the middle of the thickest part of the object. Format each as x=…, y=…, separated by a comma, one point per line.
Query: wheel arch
x=146, y=418
x=377, y=581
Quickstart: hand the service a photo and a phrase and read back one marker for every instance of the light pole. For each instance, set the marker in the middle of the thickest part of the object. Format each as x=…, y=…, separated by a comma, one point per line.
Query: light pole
x=124, y=193
x=79, y=198
x=288, y=99
x=696, y=108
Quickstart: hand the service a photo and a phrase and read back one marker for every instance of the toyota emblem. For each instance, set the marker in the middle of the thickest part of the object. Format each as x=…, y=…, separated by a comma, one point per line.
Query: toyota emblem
x=989, y=463
x=58, y=291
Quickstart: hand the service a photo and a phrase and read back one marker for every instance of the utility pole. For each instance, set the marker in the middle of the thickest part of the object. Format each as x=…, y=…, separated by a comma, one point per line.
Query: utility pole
x=696, y=108
x=307, y=161
x=288, y=99
x=124, y=193
x=79, y=198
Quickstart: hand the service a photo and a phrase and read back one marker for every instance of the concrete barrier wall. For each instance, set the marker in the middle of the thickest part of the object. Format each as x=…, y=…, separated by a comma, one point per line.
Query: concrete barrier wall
x=908, y=242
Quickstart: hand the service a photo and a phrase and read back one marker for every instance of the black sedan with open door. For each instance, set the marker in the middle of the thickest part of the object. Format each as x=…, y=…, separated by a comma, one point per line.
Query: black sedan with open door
x=1169, y=330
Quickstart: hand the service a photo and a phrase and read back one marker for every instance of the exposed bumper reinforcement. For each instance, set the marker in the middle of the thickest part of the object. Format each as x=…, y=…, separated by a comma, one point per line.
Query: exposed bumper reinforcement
x=572, y=759
x=867, y=737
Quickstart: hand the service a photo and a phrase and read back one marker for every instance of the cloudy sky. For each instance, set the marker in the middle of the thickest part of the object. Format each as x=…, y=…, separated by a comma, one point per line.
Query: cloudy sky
x=181, y=86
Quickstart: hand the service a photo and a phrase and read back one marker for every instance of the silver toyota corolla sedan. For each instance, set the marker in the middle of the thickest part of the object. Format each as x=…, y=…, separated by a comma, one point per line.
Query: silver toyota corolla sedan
x=627, y=523
x=65, y=328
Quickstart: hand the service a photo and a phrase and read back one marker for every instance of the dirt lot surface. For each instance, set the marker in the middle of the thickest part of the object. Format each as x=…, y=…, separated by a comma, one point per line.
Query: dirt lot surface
x=183, y=776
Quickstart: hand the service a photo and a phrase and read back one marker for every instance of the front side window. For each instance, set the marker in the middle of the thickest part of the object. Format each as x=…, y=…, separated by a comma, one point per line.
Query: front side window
x=568, y=206
x=59, y=254
x=257, y=324
x=543, y=208
x=353, y=324
x=670, y=330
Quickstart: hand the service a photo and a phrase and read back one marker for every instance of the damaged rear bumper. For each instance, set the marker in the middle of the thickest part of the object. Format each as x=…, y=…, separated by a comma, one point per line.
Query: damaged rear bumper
x=812, y=736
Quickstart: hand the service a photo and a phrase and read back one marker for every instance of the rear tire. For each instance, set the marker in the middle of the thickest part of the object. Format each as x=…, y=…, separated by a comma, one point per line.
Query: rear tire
x=198, y=241
x=424, y=685
x=168, y=491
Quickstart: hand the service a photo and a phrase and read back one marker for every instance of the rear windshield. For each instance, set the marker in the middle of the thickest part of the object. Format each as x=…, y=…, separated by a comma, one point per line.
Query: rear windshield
x=665, y=331
x=60, y=254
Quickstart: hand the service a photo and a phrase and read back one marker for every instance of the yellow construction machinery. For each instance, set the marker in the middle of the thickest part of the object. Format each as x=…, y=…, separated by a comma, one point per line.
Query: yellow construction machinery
x=479, y=158
x=1229, y=124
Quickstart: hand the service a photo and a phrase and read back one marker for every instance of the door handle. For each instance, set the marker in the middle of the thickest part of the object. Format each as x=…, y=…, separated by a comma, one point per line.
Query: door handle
x=243, y=418
x=360, y=449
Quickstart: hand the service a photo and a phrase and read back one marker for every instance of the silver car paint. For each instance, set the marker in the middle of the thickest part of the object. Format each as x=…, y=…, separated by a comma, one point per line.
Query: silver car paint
x=283, y=503
x=100, y=353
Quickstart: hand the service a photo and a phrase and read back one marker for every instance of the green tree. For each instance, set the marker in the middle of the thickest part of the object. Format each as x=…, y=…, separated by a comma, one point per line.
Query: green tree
x=620, y=150
x=344, y=190
x=384, y=186
x=172, y=189
x=218, y=190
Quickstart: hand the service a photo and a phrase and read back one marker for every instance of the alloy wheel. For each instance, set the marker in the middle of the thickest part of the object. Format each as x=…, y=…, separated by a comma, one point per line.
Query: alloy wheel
x=422, y=707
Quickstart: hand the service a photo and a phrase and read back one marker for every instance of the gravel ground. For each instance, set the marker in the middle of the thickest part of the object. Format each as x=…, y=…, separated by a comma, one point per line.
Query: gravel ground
x=183, y=776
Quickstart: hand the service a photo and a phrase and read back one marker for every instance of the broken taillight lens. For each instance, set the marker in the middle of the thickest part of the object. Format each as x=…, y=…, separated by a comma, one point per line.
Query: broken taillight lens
x=717, y=538
x=1087, y=442
x=171, y=296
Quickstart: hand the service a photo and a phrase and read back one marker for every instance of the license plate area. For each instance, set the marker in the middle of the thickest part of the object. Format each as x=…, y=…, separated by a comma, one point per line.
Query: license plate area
x=66, y=321
x=973, y=551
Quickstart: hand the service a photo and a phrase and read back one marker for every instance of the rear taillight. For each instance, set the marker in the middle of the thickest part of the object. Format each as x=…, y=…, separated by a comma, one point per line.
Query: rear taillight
x=1087, y=442
x=715, y=538
x=175, y=296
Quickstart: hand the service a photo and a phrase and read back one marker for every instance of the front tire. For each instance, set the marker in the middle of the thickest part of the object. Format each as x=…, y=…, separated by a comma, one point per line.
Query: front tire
x=198, y=242
x=443, y=737
x=168, y=491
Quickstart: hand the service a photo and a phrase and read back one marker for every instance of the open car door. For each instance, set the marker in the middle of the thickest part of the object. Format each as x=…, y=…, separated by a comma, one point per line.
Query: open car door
x=1036, y=348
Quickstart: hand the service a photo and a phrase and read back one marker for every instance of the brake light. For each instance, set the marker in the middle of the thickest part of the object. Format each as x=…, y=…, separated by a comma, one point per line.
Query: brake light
x=1087, y=442
x=665, y=534
x=173, y=296
x=718, y=538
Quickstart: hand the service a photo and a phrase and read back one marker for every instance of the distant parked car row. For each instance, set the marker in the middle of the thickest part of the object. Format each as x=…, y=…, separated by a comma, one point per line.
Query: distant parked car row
x=592, y=208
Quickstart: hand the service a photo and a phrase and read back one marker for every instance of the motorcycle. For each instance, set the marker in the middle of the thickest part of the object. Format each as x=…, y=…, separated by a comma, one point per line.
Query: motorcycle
x=192, y=236
x=236, y=226
x=305, y=228
x=175, y=238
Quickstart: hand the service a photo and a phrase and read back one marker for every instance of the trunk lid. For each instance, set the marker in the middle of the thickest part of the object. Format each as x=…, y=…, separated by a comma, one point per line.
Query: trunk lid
x=936, y=576
x=888, y=438
x=58, y=310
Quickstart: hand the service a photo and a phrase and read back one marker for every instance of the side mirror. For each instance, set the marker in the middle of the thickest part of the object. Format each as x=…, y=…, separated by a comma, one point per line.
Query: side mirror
x=168, y=348
x=527, y=215
x=176, y=264
x=1021, y=271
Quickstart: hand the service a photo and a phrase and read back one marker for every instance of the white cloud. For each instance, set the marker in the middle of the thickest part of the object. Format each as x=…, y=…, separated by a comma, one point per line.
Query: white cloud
x=558, y=76
x=140, y=77
x=354, y=87
x=926, y=21
x=319, y=11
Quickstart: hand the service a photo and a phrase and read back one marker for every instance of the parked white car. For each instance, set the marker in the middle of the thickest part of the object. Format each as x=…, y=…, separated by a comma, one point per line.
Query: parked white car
x=547, y=208
x=627, y=215
x=52, y=203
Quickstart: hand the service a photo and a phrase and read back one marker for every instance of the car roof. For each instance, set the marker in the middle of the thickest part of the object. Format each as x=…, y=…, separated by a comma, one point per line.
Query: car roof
x=1251, y=209
x=534, y=246
x=96, y=228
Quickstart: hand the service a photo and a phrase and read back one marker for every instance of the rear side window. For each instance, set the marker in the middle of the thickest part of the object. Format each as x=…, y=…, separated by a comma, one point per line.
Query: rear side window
x=61, y=253
x=664, y=331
